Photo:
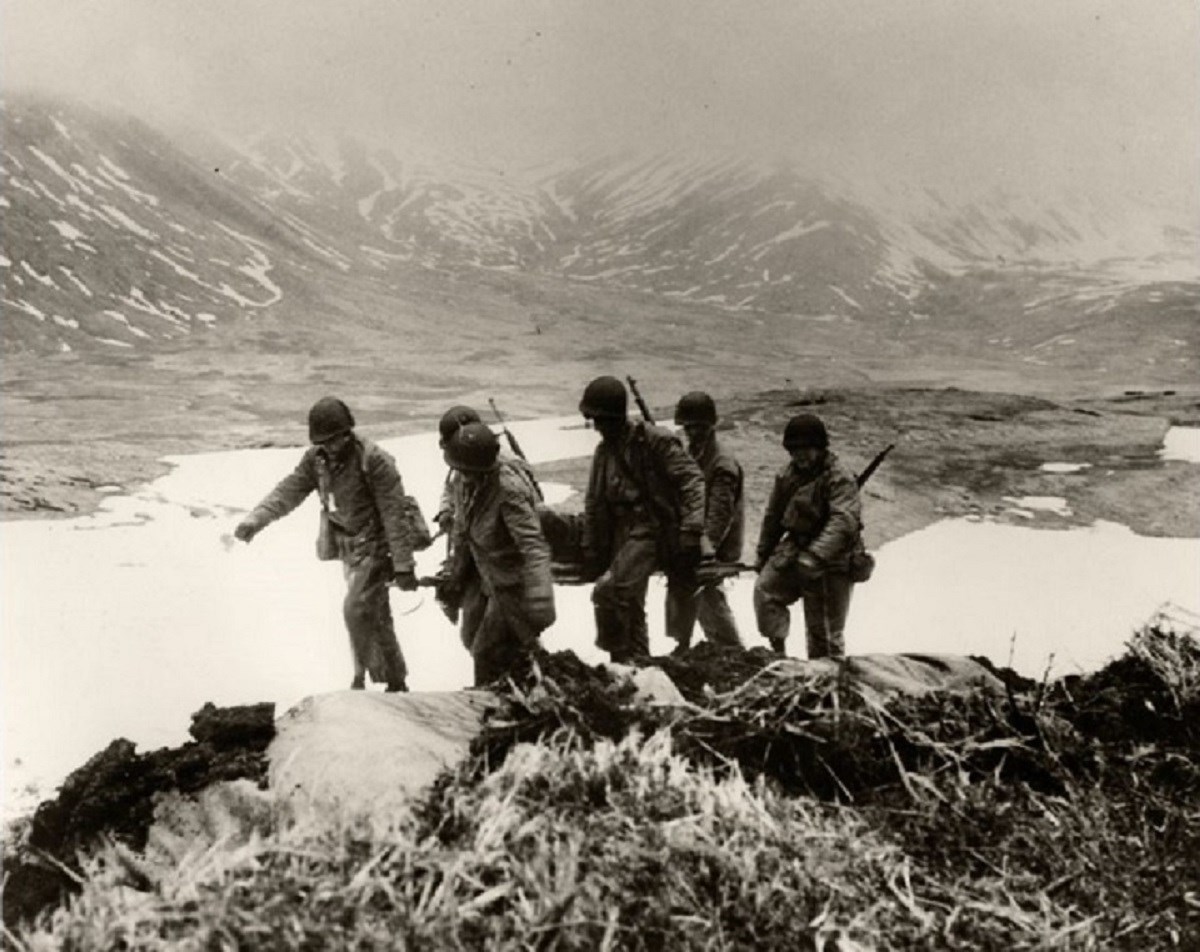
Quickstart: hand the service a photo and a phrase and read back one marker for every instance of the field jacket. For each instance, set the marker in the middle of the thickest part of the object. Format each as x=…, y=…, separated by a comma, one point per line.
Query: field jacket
x=817, y=511
x=498, y=527
x=724, y=505
x=647, y=477
x=451, y=502
x=365, y=495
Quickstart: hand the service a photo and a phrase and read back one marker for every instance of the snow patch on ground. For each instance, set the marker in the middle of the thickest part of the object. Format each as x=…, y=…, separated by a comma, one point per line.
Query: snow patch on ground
x=28, y=308
x=67, y=230
x=121, y=218
x=1054, y=504
x=1182, y=443
x=75, y=184
x=71, y=276
x=45, y=279
x=257, y=270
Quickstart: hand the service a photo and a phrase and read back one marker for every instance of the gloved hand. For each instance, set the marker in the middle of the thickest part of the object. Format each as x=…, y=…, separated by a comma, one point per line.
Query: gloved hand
x=591, y=569
x=405, y=579
x=760, y=563
x=809, y=566
x=245, y=531
x=539, y=604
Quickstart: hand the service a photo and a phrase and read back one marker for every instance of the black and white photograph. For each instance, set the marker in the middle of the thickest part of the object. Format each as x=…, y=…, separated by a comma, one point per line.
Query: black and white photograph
x=600, y=475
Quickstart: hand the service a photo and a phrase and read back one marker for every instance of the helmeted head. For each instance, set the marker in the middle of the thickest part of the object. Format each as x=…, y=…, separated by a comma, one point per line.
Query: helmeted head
x=329, y=417
x=473, y=448
x=453, y=419
x=805, y=432
x=697, y=415
x=604, y=398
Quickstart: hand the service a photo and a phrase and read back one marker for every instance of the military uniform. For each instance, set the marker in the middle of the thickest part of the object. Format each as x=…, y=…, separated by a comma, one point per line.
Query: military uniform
x=816, y=514
x=497, y=537
x=645, y=494
x=374, y=541
x=468, y=593
x=724, y=526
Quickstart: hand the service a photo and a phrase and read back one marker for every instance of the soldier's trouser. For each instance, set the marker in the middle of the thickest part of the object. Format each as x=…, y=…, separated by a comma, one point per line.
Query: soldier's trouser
x=503, y=637
x=686, y=605
x=619, y=595
x=368, y=615
x=826, y=605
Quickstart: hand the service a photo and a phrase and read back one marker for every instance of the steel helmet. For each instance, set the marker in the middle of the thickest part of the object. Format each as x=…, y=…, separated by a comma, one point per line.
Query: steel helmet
x=454, y=418
x=696, y=407
x=472, y=448
x=805, y=430
x=604, y=398
x=328, y=417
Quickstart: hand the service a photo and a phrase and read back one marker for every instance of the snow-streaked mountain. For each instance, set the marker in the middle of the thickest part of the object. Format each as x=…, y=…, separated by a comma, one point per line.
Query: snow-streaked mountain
x=116, y=235
x=112, y=235
x=741, y=234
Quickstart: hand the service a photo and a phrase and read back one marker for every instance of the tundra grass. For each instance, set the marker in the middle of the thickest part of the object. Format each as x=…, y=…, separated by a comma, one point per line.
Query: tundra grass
x=790, y=813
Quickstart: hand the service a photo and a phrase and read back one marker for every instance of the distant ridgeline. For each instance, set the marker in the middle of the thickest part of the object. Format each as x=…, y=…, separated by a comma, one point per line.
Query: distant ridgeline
x=117, y=235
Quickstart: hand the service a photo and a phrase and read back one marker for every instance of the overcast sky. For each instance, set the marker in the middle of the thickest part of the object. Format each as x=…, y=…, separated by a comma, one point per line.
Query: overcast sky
x=953, y=91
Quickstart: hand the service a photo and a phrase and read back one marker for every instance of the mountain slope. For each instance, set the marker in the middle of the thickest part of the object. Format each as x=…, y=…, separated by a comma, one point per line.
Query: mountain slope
x=114, y=237
x=117, y=236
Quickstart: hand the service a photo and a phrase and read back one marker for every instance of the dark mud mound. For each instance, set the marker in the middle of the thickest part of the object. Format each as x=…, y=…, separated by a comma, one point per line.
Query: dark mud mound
x=1084, y=791
x=112, y=796
x=706, y=669
x=822, y=730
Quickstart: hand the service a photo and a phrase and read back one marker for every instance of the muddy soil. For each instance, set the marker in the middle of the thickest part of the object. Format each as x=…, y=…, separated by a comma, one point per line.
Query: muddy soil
x=113, y=795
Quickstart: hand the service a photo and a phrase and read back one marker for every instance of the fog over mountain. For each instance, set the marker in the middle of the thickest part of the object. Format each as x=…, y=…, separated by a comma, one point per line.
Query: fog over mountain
x=962, y=96
x=1018, y=178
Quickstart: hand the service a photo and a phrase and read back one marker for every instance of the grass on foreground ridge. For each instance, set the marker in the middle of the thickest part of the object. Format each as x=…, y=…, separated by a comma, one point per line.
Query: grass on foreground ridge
x=1064, y=816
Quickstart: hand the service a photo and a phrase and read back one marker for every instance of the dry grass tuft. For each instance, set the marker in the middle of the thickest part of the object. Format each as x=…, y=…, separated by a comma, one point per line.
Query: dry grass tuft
x=789, y=812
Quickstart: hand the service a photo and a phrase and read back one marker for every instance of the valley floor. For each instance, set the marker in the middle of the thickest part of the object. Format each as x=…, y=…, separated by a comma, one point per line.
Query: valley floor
x=958, y=453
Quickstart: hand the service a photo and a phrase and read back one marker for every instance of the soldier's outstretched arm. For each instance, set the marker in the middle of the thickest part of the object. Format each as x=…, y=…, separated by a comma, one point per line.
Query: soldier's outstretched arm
x=287, y=495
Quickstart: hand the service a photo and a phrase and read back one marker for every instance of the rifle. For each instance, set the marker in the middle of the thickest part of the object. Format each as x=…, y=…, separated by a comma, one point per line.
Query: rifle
x=637, y=396
x=873, y=465
x=515, y=447
x=708, y=573
x=512, y=440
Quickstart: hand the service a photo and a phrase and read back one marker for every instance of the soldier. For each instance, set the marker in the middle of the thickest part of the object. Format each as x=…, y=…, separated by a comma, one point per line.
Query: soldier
x=459, y=594
x=687, y=599
x=811, y=528
x=369, y=527
x=644, y=510
x=498, y=536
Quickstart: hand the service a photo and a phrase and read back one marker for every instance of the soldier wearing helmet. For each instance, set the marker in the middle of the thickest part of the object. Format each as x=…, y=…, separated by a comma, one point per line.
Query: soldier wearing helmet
x=367, y=525
x=498, y=539
x=687, y=601
x=811, y=528
x=644, y=510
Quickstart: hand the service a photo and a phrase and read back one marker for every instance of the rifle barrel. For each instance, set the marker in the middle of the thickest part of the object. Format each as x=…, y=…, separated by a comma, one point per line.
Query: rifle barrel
x=512, y=440
x=873, y=465
x=641, y=404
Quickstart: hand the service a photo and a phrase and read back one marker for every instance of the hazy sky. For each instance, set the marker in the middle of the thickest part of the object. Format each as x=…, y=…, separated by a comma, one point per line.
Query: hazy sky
x=1010, y=91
